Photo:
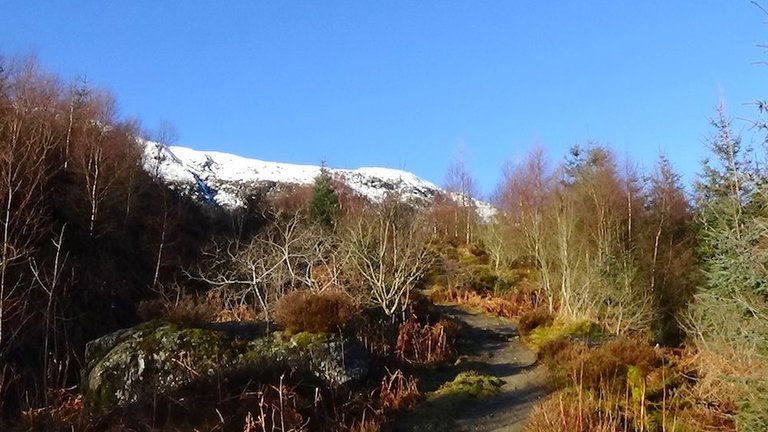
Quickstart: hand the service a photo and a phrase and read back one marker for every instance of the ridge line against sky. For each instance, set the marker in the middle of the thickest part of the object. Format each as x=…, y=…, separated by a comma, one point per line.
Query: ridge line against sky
x=404, y=84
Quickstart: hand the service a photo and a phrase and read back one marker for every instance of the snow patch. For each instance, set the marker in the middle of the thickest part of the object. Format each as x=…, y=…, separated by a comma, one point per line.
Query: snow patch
x=222, y=177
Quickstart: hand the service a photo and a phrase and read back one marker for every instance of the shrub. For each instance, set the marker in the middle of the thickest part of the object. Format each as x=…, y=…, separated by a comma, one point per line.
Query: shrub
x=302, y=311
x=562, y=356
x=418, y=306
x=481, y=279
x=575, y=364
x=632, y=352
x=230, y=310
x=152, y=309
x=188, y=311
x=533, y=319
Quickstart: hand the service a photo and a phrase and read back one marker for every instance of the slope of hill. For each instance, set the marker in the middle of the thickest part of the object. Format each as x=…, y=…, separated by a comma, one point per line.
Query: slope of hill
x=224, y=179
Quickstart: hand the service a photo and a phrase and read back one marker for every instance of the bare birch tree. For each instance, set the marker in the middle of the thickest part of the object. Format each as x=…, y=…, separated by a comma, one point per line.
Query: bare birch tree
x=26, y=140
x=390, y=250
x=460, y=184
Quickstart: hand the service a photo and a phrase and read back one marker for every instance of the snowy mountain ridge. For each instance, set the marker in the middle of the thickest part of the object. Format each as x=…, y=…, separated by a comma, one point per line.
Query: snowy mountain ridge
x=221, y=178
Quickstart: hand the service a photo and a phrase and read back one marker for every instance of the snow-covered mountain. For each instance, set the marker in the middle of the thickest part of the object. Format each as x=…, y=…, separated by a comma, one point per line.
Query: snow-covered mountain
x=222, y=178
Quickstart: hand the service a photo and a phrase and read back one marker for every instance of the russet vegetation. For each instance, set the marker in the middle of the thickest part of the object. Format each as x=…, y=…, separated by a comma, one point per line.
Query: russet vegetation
x=647, y=304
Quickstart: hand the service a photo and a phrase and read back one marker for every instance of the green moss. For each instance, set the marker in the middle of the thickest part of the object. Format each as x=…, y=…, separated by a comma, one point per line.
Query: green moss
x=439, y=408
x=543, y=334
x=636, y=383
x=585, y=329
x=469, y=384
x=103, y=397
x=203, y=343
x=578, y=330
x=277, y=346
x=465, y=256
x=150, y=342
x=305, y=339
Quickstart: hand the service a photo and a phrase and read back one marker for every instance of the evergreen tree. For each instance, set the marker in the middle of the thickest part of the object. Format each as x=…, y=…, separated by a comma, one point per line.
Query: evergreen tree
x=324, y=208
x=730, y=215
x=730, y=313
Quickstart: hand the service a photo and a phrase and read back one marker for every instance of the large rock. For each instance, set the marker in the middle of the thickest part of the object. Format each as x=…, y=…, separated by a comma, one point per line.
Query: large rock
x=130, y=365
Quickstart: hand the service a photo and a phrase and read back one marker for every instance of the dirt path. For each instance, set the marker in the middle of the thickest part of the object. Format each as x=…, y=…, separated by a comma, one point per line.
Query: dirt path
x=488, y=345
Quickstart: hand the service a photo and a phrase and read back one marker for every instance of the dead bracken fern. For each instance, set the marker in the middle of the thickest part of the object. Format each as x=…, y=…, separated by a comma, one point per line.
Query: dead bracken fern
x=582, y=413
x=509, y=305
x=399, y=392
x=66, y=408
x=276, y=410
x=370, y=423
x=424, y=343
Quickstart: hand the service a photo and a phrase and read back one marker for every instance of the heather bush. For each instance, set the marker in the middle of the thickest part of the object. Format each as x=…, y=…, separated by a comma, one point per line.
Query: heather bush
x=534, y=319
x=188, y=311
x=314, y=312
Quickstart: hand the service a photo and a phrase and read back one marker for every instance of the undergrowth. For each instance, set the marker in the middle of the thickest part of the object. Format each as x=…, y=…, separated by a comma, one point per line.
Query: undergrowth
x=621, y=384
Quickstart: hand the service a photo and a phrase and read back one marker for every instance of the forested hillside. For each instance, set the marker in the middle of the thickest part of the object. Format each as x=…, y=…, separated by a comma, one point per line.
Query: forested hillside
x=645, y=297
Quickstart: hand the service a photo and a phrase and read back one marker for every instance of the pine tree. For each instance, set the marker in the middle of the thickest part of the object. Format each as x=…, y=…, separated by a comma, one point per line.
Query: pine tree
x=324, y=208
x=729, y=317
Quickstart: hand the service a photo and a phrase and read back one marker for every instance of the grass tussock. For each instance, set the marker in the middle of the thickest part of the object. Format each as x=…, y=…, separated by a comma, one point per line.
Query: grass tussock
x=588, y=414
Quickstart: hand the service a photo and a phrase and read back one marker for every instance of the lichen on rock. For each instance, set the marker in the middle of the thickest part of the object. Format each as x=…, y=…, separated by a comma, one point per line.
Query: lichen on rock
x=130, y=365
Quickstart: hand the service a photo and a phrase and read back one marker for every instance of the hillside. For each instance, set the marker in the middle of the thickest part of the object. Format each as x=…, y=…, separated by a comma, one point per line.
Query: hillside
x=225, y=179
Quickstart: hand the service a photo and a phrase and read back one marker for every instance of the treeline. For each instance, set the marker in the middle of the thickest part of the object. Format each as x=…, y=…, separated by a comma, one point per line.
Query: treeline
x=609, y=244
x=643, y=258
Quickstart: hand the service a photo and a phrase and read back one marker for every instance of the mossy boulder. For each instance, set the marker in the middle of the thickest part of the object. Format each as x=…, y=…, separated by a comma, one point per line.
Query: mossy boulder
x=133, y=364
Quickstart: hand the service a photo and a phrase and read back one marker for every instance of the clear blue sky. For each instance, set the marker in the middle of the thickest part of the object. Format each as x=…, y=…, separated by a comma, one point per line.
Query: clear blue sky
x=403, y=84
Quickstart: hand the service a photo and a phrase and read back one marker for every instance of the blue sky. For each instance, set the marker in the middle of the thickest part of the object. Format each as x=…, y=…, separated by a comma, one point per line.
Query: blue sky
x=405, y=84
